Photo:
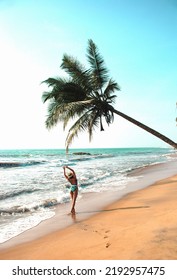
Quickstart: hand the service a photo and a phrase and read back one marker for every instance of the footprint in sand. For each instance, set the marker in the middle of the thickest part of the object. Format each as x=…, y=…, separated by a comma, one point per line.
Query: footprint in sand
x=108, y=244
x=85, y=227
x=106, y=231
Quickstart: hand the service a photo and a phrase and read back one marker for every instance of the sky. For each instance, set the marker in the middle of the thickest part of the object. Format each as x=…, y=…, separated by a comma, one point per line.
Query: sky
x=138, y=41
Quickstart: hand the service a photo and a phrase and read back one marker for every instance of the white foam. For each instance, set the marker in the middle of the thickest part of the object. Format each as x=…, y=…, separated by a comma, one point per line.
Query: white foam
x=22, y=224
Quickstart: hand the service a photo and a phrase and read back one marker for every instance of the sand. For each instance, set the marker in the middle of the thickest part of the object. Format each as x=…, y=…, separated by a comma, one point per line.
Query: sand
x=140, y=226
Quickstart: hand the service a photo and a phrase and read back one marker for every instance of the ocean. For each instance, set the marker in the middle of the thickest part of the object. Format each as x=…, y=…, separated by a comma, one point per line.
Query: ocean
x=33, y=184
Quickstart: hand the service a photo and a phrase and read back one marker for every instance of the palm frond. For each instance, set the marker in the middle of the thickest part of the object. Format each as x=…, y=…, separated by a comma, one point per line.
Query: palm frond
x=63, y=112
x=80, y=125
x=93, y=122
x=64, y=90
x=99, y=70
x=57, y=85
x=46, y=96
x=77, y=72
x=111, y=87
x=73, y=110
x=54, y=111
x=51, y=81
x=72, y=92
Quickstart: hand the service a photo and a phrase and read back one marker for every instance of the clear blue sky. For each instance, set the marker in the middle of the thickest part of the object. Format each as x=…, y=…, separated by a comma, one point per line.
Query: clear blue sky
x=138, y=40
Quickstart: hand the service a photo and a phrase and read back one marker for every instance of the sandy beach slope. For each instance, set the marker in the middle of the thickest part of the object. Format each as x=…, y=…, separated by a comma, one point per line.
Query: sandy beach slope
x=142, y=225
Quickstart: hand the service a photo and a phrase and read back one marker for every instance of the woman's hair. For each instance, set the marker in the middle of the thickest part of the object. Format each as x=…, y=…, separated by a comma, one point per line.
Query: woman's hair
x=70, y=175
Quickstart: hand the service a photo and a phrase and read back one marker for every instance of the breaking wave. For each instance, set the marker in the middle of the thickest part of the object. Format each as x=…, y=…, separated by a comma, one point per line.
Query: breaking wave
x=19, y=164
x=23, y=209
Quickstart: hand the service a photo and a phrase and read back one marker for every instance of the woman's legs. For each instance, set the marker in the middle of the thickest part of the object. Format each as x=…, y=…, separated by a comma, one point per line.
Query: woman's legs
x=73, y=197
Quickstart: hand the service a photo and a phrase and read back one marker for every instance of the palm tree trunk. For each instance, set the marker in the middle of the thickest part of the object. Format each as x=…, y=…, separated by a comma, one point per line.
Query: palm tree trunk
x=145, y=127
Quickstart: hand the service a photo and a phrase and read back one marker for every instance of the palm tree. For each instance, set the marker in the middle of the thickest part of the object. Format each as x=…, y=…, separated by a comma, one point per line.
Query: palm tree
x=86, y=97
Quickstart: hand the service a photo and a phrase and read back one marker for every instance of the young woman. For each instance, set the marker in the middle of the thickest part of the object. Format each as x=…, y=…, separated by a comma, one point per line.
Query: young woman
x=72, y=179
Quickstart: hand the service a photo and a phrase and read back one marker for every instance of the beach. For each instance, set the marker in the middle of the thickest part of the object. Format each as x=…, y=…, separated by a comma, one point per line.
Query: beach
x=140, y=225
x=34, y=189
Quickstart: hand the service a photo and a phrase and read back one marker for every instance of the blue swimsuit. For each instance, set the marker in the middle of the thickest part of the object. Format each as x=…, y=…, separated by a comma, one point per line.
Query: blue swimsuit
x=73, y=188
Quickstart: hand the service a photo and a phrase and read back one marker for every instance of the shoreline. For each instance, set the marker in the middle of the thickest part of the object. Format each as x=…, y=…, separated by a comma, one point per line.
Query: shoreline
x=17, y=246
